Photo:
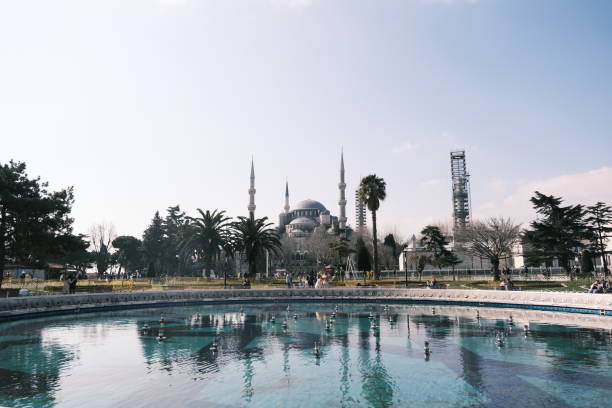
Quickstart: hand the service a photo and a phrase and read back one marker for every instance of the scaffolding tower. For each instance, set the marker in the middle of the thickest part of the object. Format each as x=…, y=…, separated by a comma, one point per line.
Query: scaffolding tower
x=360, y=212
x=462, y=210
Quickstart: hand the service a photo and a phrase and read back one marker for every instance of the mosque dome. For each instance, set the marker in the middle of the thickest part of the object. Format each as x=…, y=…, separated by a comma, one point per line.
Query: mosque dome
x=304, y=221
x=309, y=205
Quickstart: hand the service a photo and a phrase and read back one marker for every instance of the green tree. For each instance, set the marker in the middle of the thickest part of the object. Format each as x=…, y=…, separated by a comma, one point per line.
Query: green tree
x=434, y=242
x=102, y=259
x=449, y=259
x=560, y=232
x=586, y=262
x=364, y=262
x=492, y=239
x=253, y=237
x=372, y=190
x=74, y=253
x=33, y=220
x=600, y=222
x=208, y=236
x=395, y=248
x=176, y=226
x=153, y=244
x=129, y=253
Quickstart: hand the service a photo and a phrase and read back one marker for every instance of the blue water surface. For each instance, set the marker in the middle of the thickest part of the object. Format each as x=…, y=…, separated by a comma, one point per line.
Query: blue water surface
x=109, y=360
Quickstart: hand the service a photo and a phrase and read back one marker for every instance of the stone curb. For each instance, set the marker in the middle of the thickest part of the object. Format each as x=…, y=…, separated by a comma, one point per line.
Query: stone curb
x=37, y=306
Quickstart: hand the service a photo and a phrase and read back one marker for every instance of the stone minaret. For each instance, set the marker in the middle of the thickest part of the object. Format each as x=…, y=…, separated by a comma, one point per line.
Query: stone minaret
x=342, y=201
x=286, y=208
x=252, y=193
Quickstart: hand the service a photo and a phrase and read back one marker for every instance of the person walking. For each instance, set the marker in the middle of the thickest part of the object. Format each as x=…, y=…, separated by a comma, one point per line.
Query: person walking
x=288, y=279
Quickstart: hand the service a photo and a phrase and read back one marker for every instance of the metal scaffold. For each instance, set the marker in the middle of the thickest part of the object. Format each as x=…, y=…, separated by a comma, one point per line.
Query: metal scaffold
x=462, y=210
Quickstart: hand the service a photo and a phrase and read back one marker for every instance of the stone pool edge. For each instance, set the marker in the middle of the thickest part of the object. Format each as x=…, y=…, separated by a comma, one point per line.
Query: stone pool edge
x=37, y=306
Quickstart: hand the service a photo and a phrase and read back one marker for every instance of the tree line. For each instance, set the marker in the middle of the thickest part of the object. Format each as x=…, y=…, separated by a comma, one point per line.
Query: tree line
x=36, y=229
x=35, y=223
x=181, y=245
x=571, y=235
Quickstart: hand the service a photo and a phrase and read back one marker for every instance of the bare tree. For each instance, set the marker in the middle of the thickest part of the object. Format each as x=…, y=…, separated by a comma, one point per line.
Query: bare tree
x=491, y=239
x=419, y=260
x=101, y=238
x=289, y=251
x=317, y=245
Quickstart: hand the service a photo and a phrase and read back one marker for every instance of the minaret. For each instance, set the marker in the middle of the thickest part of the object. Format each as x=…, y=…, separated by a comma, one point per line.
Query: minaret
x=252, y=193
x=286, y=208
x=342, y=201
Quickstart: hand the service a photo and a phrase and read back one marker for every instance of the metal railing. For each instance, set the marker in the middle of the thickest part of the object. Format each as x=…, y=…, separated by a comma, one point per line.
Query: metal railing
x=540, y=273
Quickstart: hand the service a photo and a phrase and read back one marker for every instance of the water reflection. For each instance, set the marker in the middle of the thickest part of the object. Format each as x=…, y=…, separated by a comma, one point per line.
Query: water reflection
x=371, y=356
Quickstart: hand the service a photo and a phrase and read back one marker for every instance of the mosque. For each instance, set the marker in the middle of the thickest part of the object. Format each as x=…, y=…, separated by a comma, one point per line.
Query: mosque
x=307, y=215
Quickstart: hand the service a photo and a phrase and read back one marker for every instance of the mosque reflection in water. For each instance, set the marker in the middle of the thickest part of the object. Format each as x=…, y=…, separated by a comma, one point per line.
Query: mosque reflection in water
x=371, y=355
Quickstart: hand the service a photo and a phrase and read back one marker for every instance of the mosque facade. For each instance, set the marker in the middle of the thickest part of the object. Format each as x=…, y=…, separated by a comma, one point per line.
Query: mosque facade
x=306, y=216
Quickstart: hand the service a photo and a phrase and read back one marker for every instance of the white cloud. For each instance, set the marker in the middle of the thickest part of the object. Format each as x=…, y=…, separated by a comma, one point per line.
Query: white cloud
x=404, y=147
x=581, y=188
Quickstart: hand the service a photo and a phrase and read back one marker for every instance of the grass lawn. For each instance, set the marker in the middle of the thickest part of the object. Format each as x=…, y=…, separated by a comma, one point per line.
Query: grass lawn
x=85, y=285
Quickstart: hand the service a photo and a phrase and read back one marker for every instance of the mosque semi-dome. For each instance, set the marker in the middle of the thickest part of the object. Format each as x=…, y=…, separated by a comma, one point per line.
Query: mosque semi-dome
x=309, y=205
x=303, y=221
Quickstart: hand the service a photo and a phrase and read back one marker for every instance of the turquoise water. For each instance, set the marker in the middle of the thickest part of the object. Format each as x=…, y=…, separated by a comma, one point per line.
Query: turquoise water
x=107, y=360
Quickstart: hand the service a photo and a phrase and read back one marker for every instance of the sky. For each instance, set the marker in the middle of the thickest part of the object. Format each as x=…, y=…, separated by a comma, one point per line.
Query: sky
x=145, y=104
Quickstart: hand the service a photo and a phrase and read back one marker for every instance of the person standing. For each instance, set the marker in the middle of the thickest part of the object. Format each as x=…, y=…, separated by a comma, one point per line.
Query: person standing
x=319, y=283
x=73, y=282
x=311, y=280
x=288, y=279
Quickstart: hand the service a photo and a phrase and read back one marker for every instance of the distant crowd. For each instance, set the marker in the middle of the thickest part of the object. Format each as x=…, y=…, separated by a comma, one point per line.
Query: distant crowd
x=310, y=280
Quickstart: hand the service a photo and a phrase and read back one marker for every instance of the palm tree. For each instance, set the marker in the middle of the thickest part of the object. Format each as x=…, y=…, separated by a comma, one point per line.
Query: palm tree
x=208, y=236
x=253, y=237
x=372, y=190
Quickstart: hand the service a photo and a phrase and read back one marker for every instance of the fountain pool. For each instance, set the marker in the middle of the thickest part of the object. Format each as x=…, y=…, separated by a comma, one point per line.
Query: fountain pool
x=271, y=355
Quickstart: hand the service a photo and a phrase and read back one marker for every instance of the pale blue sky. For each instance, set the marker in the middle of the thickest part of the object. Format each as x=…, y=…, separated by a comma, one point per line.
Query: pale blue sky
x=143, y=104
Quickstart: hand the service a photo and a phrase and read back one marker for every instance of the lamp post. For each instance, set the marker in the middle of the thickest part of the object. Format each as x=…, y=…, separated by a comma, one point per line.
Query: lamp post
x=406, y=268
x=224, y=278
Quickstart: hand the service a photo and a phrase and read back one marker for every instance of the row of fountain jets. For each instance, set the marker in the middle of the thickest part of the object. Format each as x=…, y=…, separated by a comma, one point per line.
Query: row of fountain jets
x=499, y=338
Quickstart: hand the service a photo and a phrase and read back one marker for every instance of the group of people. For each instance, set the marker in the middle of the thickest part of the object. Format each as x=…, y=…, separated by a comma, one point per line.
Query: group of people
x=433, y=284
x=600, y=286
x=321, y=280
x=70, y=282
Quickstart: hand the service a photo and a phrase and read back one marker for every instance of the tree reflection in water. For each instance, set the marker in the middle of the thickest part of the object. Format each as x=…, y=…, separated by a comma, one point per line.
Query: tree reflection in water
x=32, y=368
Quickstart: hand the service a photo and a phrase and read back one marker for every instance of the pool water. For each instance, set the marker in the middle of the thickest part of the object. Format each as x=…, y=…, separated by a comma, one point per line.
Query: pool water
x=108, y=360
